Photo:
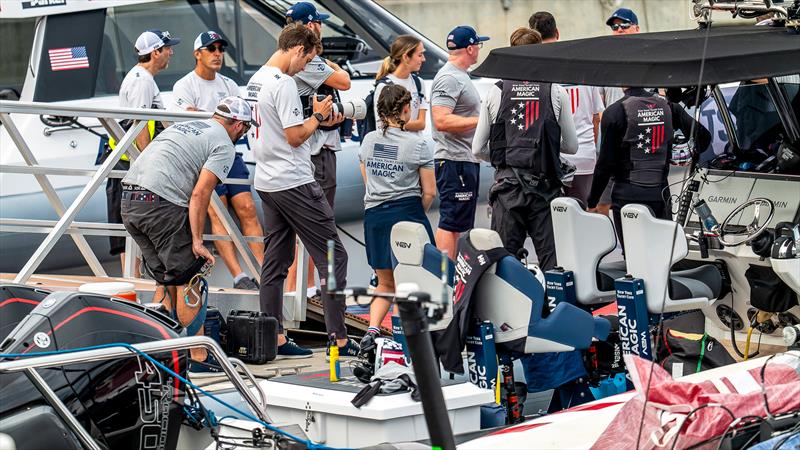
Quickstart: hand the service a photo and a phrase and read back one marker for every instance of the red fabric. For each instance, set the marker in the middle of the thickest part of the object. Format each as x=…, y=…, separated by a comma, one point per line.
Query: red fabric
x=670, y=401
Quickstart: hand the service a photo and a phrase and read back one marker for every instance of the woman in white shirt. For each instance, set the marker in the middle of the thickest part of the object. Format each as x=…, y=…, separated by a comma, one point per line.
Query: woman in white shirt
x=406, y=56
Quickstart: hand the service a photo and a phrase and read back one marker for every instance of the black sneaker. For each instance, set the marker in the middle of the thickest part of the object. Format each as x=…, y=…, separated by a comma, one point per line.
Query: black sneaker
x=208, y=368
x=290, y=350
x=349, y=351
x=247, y=284
x=368, y=342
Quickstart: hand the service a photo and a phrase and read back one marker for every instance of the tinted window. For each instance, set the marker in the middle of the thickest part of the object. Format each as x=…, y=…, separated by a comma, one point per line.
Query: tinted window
x=185, y=20
x=17, y=38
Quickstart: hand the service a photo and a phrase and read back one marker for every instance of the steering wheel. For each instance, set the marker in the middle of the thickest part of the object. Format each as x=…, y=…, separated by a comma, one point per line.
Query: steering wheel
x=751, y=231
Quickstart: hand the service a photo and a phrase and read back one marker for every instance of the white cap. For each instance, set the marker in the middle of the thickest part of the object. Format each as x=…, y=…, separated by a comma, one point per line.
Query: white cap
x=152, y=40
x=238, y=109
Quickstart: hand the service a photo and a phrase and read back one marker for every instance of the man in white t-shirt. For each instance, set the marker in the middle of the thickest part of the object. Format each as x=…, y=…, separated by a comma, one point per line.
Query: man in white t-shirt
x=201, y=90
x=586, y=104
x=324, y=77
x=293, y=202
x=139, y=90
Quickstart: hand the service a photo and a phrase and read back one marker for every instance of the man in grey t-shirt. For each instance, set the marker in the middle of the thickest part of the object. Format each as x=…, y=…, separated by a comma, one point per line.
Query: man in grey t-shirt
x=455, y=106
x=165, y=201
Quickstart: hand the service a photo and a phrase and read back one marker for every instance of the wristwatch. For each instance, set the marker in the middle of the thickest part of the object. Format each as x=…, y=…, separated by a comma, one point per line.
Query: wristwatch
x=320, y=118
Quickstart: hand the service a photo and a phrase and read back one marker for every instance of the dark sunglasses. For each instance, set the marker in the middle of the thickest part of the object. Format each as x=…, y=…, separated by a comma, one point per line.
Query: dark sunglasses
x=621, y=26
x=214, y=48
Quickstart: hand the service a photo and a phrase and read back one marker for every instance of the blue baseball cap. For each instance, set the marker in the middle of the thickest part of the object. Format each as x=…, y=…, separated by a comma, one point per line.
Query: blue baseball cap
x=462, y=37
x=623, y=14
x=305, y=12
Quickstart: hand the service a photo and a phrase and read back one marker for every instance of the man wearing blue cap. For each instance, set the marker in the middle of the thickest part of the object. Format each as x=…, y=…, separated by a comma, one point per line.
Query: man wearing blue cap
x=623, y=21
x=322, y=77
x=455, y=107
x=201, y=90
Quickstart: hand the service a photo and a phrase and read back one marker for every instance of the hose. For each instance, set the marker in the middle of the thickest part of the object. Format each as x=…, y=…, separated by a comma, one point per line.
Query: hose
x=747, y=343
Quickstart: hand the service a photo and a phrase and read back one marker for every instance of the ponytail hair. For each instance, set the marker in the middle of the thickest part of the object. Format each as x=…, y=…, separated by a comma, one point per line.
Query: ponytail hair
x=391, y=102
x=403, y=45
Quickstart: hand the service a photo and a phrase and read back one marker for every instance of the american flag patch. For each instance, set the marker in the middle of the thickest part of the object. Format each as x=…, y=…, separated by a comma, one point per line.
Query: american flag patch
x=385, y=151
x=68, y=58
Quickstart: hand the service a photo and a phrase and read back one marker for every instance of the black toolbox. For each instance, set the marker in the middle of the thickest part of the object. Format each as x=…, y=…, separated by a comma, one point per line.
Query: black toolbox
x=252, y=336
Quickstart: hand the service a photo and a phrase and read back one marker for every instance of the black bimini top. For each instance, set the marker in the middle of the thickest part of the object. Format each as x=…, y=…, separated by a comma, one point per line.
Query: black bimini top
x=664, y=59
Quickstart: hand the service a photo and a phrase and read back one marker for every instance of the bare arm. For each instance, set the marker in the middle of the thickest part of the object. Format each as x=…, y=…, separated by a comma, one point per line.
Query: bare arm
x=364, y=173
x=339, y=79
x=427, y=181
x=298, y=134
x=143, y=139
x=198, y=209
x=596, y=126
x=419, y=123
x=445, y=120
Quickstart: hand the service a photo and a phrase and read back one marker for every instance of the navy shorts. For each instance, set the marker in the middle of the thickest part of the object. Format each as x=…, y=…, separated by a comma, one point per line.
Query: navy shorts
x=457, y=184
x=378, y=223
x=238, y=170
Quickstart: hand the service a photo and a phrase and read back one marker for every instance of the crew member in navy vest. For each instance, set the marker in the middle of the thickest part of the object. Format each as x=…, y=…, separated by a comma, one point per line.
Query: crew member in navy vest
x=635, y=149
x=514, y=116
x=519, y=113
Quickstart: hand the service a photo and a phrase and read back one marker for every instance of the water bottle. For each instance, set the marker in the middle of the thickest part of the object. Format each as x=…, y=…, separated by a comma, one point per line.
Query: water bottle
x=706, y=217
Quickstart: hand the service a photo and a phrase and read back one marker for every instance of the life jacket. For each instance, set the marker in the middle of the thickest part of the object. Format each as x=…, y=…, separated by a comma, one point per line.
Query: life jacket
x=647, y=137
x=516, y=139
x=471, y=263
x=151, y=129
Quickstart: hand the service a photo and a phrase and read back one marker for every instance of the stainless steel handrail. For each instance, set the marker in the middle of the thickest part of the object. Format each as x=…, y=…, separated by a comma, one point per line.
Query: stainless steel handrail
x=258, y=405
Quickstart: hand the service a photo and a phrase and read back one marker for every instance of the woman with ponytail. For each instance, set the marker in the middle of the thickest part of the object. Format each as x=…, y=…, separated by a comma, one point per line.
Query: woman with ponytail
x=406, y=56
x=397, y=166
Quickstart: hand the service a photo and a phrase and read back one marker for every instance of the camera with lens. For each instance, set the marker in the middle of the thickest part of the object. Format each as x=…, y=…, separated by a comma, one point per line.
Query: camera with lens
x=353, y=109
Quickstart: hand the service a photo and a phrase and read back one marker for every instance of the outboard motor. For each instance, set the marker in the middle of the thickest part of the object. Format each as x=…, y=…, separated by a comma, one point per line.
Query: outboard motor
x=16, y=302
x=124, y=403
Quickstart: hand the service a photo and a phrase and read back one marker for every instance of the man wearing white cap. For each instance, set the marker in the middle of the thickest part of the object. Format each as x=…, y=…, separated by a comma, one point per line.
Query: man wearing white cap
x=165, y=200
x=201, y=90
x=139, y=90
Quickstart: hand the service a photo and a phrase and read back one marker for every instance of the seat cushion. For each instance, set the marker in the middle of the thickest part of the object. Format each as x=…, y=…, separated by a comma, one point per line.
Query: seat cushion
x=701, y=282
x=607, y=272
x=432, y=262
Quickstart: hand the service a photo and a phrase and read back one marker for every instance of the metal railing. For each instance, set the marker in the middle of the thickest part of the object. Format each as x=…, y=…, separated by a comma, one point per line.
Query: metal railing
x=30, y=365
x=66, y=224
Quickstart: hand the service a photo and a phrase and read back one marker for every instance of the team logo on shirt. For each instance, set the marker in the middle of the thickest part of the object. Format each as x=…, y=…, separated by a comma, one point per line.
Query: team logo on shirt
x=526, y=111
x=320, y=67
x=296, y=112
x=651, y=121
x=383, y=162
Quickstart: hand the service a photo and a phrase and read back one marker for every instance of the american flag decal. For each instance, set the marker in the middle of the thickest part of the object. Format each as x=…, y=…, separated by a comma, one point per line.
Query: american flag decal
x=574, y=98
x=651, y=139
x=385, y=151
x=525, y=114
x=68, y=58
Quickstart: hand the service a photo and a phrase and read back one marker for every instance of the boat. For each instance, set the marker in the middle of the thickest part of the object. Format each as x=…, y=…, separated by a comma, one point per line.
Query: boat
x=746, y=239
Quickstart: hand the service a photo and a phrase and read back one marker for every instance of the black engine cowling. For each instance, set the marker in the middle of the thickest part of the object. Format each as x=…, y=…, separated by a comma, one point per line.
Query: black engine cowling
x=124, y=403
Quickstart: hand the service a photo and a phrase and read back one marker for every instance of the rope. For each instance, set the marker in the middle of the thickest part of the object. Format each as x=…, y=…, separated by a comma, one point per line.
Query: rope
x=311, y=445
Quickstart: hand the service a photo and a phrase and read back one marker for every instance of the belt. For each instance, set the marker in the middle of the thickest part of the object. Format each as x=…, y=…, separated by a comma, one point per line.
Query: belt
x=138, y=194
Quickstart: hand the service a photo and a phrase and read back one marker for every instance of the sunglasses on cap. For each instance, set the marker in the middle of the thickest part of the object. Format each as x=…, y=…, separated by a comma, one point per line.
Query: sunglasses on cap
x=621, y=26
x=214, y=48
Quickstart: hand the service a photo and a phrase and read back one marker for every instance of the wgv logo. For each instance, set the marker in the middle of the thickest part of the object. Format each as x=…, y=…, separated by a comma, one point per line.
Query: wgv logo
x=402, y=244
x=630, y=215
x=559, y=208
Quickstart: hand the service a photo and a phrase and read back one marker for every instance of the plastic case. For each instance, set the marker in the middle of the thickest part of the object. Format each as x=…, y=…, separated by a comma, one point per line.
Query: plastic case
x=252, y=336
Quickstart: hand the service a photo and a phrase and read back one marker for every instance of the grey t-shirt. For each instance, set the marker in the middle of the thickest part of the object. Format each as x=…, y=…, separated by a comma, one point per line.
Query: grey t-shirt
x=171, y=164
x=308, y=81
x=392, y=162
x=453, y=88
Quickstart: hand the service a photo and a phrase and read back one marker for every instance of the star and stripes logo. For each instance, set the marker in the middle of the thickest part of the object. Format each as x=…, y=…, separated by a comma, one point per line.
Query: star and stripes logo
x=385, y=151
x=651, y=138
x=68, y=58
x=525, y=113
